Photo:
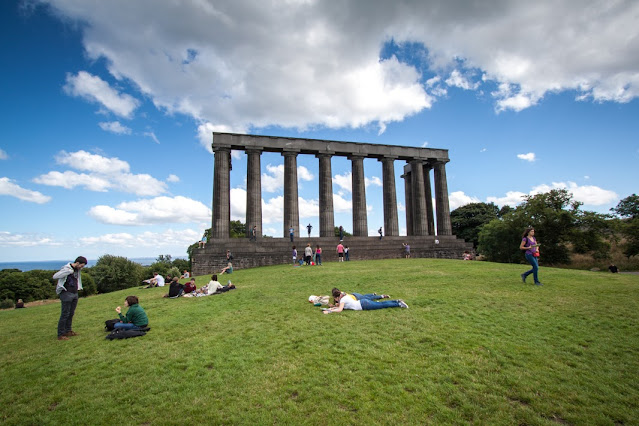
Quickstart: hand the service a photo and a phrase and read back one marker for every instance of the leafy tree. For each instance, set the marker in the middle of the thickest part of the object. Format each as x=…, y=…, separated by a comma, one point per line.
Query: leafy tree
x=113, y=273
x=237, y=229
x=628, y=207
x=558, y=224
x=468, y=220
x=164, y=258
x=181, y=264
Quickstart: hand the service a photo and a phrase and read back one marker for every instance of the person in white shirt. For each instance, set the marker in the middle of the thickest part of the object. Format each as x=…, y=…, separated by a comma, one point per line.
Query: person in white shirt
x=348, y=301
x=157, y=280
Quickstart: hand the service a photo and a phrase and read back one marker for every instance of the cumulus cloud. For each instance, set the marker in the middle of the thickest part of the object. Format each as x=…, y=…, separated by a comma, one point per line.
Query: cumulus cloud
x=114, y=127
x=93, y=89
x=344, y=181
x=527, y=157
x=9, y=187
x=375, y=181
x=103, y=174
x=173, y=178
x=3, y=154
x=458, y=198
x=229, y=65
x=157, y=210
x=25, y=240
x=589, y=195
x=165, y=238
x=273, y=179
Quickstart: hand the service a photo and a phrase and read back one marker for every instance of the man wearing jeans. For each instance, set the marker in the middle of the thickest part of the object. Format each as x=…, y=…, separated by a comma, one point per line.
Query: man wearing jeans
x=69, y=283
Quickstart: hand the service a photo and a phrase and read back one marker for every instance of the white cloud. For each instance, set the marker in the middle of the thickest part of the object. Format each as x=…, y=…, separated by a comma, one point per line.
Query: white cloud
x=273, y=179
x=457, y=79
x=103, y=174
x=527, y=157
x=344, y=181
x=341, y=205
x=458, y=198
x=173, y=178
x=238, y=204
x=308, y=208
x=152, y=136
x=304, y=174
x=154, y=240
x=512, y=198
x=590, y=195
x=372, y=181
x=152, y=211
x=273, y=210
x=9, y=187
x=3, y=154
x=93, y=89
x=424, y=145
x=115, y=127
x=25, y=240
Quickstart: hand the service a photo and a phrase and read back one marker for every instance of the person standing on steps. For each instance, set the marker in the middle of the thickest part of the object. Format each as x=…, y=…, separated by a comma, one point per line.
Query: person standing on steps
x=69, y=283
x=531, y=247
x=308, y=228
x=341, y=233
x=379, y=231
x=291, y=232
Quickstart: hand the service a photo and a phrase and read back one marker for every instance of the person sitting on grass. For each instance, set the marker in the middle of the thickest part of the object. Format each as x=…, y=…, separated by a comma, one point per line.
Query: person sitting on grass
x=228, y=269
x=212, y=287
x=135, y=317
x=190, y=286
x=175, y=289
x=348, y=301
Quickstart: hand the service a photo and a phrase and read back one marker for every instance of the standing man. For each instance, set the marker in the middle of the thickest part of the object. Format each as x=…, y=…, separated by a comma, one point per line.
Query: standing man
x=253, y=234
x=407, y=250
x=341, y=233
x=379, y=231
x=340, y=252
x=69, y=283
x=291, y=232
x=308, y=228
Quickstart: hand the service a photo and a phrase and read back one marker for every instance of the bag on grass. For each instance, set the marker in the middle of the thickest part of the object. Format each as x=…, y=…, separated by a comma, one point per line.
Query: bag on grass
x=109, y=324
x=124, y=334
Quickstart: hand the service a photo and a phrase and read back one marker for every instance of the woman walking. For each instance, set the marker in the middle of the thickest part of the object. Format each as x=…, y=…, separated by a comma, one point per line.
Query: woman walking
x=531, y=247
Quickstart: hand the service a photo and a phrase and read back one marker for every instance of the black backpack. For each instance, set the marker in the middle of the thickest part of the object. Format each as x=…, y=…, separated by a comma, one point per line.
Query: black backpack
x=109, y=324
x=124, y=334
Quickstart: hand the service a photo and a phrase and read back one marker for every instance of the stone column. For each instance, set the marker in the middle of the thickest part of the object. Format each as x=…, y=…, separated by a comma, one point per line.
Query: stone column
x=441, y=199
x=360, y=222
x=408, y=199
x=391, y=228
x=221, y=193
x=253, y=193
x=420, y=219
x=429, y=200
x=326, y=211
x=291, y=202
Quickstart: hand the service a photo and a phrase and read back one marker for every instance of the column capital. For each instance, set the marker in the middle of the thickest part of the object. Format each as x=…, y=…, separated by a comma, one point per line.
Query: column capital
x=356, y=156
x=438, y=161
x=254, y=150
x=387, y=158
x=222, y=148
x=324, y=154
x=290, y=153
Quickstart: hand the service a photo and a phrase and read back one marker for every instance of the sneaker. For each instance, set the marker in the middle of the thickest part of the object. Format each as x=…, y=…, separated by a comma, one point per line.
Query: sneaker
x=402, y=304
x=523, y=278
x=63, y=337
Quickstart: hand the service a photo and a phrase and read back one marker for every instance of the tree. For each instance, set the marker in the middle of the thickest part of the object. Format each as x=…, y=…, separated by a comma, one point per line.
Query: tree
x=628, y=207
x=237, y=229
x=468, y=220
x=113, y=273
x=346, y=234
x=558, y=224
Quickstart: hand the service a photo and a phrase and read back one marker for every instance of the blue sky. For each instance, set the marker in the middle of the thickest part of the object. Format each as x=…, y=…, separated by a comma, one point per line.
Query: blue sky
x=108, y=109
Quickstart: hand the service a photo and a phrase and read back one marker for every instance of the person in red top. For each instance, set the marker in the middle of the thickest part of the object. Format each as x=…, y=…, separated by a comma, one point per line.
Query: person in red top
x=190, y=286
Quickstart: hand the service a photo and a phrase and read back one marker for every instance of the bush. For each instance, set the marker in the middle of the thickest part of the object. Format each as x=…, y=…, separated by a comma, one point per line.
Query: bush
x=113, y=273
x=6, y=304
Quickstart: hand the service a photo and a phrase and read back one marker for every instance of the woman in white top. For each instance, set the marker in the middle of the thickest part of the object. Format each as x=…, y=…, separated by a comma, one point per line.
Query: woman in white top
x=348, y=301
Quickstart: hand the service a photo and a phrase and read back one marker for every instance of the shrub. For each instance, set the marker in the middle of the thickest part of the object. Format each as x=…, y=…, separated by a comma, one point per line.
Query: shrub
x=6, y=304
x=113, y=273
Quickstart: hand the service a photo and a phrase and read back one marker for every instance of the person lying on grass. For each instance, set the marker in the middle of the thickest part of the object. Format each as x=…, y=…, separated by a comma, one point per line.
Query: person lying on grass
x=212, y=287
x=348, y=301
x=358, y=296
x=135, y=317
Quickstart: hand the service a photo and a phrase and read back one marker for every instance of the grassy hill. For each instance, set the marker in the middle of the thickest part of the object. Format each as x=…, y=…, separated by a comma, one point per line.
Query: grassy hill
x=477, y=345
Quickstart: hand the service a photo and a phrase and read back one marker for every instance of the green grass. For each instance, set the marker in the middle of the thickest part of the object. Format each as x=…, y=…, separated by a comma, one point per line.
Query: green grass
x=476, y=346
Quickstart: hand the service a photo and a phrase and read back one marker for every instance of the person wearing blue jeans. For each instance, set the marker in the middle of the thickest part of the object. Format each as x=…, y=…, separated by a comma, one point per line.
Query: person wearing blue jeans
x=69, y=283
x=531, y=247
x=135, y=317
x=370, y=296
x=350, y=301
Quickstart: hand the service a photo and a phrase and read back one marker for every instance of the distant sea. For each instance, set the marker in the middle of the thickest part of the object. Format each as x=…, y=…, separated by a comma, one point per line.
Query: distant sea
x=54, y=265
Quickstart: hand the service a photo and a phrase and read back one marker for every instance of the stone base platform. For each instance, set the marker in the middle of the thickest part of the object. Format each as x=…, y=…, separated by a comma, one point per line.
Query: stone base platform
x=278, y=251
